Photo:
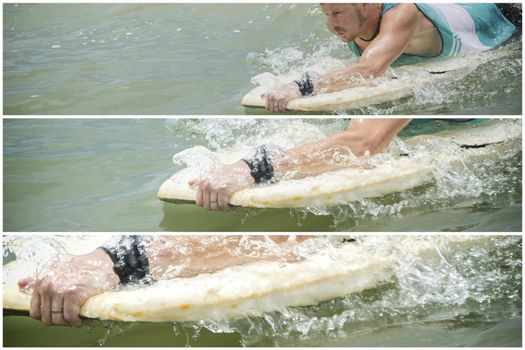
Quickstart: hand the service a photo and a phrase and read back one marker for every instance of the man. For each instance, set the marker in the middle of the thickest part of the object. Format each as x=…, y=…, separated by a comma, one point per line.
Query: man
x=341, y=150
x=381, y=33
x=64, y=284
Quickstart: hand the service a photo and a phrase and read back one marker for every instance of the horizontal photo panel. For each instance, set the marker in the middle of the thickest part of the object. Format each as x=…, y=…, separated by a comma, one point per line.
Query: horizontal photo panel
x=241, y=175
x=262, y=290
x=166, y=59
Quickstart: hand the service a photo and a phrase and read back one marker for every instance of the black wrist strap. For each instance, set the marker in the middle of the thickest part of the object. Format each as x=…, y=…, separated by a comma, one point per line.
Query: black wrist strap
x=306, y=85
x=261, y=167
x=130, y=261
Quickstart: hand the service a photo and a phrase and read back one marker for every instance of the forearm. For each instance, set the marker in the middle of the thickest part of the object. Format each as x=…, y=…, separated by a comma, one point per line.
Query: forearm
x=171, y=256
x=350, y=76
x=341, y=150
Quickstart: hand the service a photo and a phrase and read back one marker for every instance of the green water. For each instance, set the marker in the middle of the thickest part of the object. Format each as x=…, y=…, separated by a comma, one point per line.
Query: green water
x=470, y=296
x=103, y=175
x=464, y=331
x=166, y=59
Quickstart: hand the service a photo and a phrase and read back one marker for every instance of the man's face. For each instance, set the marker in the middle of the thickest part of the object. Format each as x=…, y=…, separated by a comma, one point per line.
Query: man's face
x=344, y=20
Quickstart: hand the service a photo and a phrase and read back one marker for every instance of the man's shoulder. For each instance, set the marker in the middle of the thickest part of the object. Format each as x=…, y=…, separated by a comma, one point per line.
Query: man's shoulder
x=399, y=10
x=400, y=14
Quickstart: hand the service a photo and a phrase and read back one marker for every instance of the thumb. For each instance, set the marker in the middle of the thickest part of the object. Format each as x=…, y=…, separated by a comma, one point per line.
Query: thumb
x=194, y=182
x=266, y=94
x=25, y=283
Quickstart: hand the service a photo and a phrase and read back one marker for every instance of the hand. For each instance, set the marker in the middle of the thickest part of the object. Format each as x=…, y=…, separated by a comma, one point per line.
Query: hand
x=214, y=191
x=277, y=100
x=65, y=283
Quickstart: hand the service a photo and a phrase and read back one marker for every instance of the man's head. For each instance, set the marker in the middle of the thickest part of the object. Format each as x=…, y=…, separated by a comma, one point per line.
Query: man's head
x=346, y=20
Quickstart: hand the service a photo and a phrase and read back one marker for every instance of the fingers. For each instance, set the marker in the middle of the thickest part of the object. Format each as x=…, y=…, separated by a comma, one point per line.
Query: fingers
x=214, y=201
x=210, y=198
x=206, y=195
x=72, y=309
x=54, y=307
x=272, y=103
x=275, y=104
x=57, y=309
x=222, y=199
x=268, y=102
x=200, y=194
x=282, y=105
x=45, y=302
x=34, y=309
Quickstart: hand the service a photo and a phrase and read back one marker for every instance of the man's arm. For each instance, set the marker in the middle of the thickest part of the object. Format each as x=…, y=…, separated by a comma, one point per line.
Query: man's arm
x=335, y=152
x=397, y=28
x=65, y=283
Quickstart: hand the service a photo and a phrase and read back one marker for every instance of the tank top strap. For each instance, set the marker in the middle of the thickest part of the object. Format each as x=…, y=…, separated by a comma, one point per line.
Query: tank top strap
x=387, y=7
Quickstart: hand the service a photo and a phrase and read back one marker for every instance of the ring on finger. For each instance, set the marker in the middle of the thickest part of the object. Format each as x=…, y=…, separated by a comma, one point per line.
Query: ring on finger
x=57, y=316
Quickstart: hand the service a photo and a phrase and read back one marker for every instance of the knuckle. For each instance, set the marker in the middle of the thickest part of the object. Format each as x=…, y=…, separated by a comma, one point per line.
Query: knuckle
x=224, y=191
x=47, y=286
x=70, y=293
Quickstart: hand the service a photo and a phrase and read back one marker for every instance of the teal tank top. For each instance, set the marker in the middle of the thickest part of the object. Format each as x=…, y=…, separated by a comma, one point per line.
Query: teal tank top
x=463, y=27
